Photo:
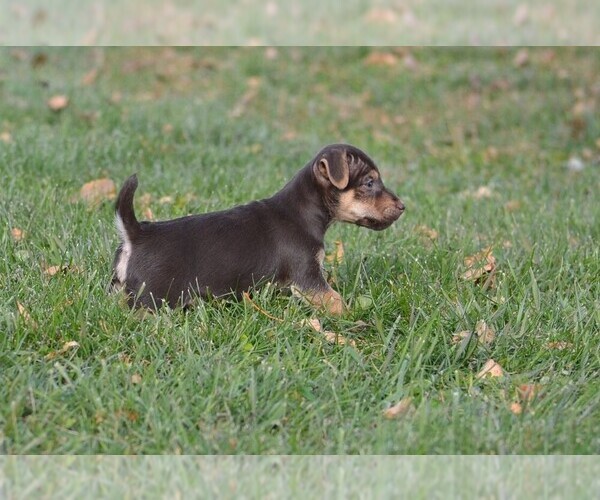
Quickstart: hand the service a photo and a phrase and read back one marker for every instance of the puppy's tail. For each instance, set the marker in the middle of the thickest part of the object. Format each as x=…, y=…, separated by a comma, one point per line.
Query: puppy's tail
x=127, y=223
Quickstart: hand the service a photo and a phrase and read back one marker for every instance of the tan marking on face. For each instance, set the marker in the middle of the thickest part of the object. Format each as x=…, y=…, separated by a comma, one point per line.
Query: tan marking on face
x=351, y=210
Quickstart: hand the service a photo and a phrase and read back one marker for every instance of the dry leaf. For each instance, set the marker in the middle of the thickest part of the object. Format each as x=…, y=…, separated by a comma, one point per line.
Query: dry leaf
x=26, y=316
x=521, y=58
x=58, y=102
x=136, y=378
x=460, y=336
x=521, y=15
x=491, y=369
x=516, y=408
x=482, y=192
x=512, y=205
x=5, y=137
x=481, y=267
x=528, y=392
x=401, y=408
x=90, y=77
x=332, y=337
x=381, y=59
x=94, y=192
x=67, y=346
x=423, y=230
x=485, y=333
x=166, y=199
x=239, y=109
x=337, y=338
x=559, y=345
x=53, y=270
x=379, y=15
x=17, y=234
x=337, y=256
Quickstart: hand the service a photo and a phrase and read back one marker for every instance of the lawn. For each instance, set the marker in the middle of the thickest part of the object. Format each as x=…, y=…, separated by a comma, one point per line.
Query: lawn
x=492, y=150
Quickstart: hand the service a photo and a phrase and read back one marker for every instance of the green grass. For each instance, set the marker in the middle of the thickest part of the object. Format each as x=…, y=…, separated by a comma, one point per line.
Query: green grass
x=224, y=378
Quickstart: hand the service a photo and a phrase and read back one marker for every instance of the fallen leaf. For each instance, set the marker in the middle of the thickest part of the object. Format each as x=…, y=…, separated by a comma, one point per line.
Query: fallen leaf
x=521, y=15
x=516, y=408
x=481, y=267
x=512, y=205
x=482, y=192
x=490, y=369
x=271, y=53
x=136, y=378
x=485, y=333
x=54, y=270
x=528, y=392
x=337, y=338
x=253, y=86
x=166, y=199
x=90, y=77
x=17, y=234
x=337, y=256
x=67, y=346
x=460, y=336
x=148, y=213
x=5, y=137
x=423, y=230
x=331, y=337
x=95, y=191
x=401, y=408
x=521, y=58
x=560, y=345
x=130, y=415
x=58, y=102
x=26, y=316
x=381, y=59
x=379, y=15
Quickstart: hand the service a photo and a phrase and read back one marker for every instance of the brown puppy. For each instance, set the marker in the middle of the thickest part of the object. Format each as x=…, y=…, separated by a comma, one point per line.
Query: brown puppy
x=279, y=238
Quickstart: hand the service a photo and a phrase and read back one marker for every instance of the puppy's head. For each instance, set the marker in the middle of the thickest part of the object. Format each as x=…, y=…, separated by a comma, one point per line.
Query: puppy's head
x=353, y=189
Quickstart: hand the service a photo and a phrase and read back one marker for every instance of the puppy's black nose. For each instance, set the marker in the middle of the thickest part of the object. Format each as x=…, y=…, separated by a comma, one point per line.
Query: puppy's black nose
x=400, y=206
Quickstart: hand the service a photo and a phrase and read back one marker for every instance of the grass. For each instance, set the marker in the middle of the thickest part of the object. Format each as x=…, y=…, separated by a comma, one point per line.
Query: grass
x=225, y=378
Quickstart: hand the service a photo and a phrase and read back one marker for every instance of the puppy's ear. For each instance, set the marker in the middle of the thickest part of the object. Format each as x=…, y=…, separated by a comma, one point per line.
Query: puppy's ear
x=332, y=167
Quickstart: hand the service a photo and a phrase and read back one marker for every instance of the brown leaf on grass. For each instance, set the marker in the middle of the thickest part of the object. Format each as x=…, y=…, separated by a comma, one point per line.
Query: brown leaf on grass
x=401, y=408
x=428, y=232
x=331, y=337
x=460, y=336
x=136, y=379
x=528, y=392
x=485, y=333
x=560, y=345
x=130, y=415
x=490, y=369
x=26, y=316
x=381, y=16
x=98, y=190
x=521, y=14
x=54, y=270
x=6, y=137
x=90, y=77
x=516, y=408
x=17, y=234
x=481, y=267
x=58, y=102
x=67, y=346
x=337, y=256
x=512, y=205
x=521, y=58
x=253, y=86
x=377, y=58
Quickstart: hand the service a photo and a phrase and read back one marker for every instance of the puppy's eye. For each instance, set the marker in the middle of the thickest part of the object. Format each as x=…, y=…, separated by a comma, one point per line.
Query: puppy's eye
x=369, y=183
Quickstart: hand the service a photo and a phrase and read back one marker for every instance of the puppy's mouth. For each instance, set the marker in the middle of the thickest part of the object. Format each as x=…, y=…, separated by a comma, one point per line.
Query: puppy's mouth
x=390, y=215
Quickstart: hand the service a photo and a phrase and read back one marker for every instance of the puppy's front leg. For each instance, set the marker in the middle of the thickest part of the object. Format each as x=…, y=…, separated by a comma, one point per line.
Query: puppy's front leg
x=311, y=285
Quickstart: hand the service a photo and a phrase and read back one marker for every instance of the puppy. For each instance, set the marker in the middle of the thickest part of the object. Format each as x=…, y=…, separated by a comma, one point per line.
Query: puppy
x=279, y=238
